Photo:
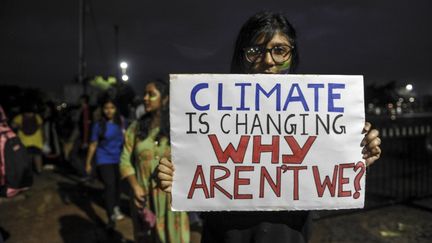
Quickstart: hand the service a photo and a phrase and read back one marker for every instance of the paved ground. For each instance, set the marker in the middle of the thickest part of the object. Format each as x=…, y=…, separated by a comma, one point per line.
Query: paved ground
x=396, y=223
x=60, y=209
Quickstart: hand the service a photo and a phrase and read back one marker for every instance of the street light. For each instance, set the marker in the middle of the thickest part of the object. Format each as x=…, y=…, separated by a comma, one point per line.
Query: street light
x=123, y=65
x=409, y=87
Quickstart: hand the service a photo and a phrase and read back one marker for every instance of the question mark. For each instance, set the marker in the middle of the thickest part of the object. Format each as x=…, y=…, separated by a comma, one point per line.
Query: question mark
x=358, y=177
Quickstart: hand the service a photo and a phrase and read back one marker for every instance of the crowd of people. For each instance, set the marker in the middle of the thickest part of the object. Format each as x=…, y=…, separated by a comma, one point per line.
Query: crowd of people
x=101, y=140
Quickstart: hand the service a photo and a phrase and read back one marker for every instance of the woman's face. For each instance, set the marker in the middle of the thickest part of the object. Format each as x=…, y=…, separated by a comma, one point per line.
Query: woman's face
x=109, y=110
x=152, y=98
x=266, y=63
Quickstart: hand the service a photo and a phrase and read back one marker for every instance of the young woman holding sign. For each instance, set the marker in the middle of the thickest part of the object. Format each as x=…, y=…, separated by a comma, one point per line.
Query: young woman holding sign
x=266, y=44
x=146, y=141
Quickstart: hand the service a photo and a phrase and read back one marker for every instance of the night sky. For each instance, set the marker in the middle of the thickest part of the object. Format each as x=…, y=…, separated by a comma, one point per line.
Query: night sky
x=383, y=40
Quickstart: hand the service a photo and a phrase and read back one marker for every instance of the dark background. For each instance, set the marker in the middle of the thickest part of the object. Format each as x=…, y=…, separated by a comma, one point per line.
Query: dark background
x=383, y=40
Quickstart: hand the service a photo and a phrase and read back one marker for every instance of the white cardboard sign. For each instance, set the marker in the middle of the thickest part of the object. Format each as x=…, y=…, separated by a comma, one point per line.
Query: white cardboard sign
x=267, y=142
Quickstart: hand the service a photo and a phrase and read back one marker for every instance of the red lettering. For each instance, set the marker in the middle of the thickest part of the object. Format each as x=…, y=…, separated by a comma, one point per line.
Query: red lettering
x=331, y=185
x=214, y=181
x=344, y=180
x=259, y=148
x=241, y=181
x=236, y=155
x=299, y=153
x=295, y=170
x=276, y=187
x=198, y=175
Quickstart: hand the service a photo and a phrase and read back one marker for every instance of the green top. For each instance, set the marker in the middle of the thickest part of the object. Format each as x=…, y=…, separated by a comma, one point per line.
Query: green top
x=170, y=226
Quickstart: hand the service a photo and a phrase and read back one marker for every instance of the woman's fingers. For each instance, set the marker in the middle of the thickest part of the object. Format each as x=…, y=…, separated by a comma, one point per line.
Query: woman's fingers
x=166, y=185
x=374, y=143
x=163, y=169
x=138, y=204
x=371, y=142
x=139, y=198
x=372, y=159
x=366, y=127
x=372, y=148
x=165, y=162
x=376, y=151
x=372, y=155
x=165, y=174
x=165, y=177
x=373, y=151
x=370, y=136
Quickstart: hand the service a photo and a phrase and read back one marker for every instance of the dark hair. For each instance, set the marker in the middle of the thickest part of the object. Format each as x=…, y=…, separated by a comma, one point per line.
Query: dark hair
x=103, y=121
x=145, y=120
x=28, y=107
x=263, y=23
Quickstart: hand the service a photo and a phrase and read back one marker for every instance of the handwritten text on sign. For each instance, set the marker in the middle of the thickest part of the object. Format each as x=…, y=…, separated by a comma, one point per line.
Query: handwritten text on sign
x=267, y=142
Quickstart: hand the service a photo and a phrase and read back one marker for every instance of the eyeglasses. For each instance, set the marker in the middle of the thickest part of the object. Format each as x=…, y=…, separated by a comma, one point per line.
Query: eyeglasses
x=279, y=54
x=151, y=95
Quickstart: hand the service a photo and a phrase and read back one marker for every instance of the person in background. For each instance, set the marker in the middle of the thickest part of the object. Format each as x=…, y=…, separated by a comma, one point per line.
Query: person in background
x=106, y=143
x=29, y=126
x=146, y=141
x=68, y=132
x=84, y=121
x=76, y=144
x=266, y=44
x=139, y=108
x=51, y=148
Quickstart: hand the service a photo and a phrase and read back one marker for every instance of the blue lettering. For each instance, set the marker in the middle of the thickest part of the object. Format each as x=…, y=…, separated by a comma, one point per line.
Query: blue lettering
x=298, y=98
x=242, y=96
x=316, y=96
x=332, y=96
x=259, y=90
x=220, y=105
x=194, y=92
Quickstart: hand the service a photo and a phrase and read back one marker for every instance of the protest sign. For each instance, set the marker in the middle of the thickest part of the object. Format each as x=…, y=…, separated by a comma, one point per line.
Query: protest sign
x=267, y=142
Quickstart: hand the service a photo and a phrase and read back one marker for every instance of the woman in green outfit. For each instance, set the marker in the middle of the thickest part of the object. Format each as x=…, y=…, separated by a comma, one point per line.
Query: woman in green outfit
x=146, y=141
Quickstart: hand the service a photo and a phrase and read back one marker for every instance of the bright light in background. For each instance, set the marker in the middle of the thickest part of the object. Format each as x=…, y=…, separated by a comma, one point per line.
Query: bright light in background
x=124, y=76
x=123, y=65
x=409, y=87
x=411, y=99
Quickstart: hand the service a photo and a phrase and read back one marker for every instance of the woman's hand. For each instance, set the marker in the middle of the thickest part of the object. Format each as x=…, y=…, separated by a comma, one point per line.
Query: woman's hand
x=139, y=196
x=90, y=153
x=165, y=174
x=88, y=168
x=371, y=150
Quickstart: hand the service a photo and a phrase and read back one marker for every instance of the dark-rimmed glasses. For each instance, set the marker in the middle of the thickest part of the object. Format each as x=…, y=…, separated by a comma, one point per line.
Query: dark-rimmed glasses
x=280, y=54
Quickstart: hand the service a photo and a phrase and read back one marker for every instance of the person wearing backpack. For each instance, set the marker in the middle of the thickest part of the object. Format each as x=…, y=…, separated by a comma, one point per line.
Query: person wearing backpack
x=29, y=126
x=106, y=142
x=15, y=165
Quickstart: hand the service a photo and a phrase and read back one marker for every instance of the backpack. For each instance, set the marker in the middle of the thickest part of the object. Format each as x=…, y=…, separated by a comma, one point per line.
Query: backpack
x=15, y=165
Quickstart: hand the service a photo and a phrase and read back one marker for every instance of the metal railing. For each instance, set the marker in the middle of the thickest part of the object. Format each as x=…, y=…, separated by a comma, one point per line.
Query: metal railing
x=404, y=171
